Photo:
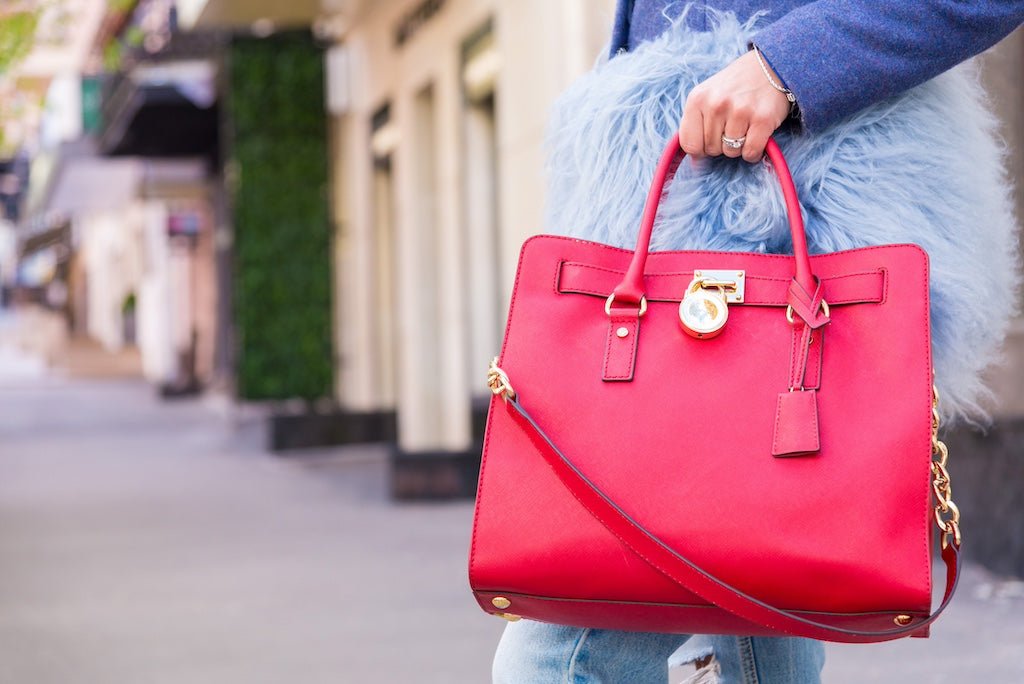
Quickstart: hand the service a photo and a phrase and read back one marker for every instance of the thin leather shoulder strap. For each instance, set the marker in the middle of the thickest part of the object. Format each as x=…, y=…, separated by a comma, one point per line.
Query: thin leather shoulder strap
x=695, y=579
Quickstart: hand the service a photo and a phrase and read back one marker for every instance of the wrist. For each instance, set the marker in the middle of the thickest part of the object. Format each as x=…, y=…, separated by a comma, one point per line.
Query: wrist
x=774, y=80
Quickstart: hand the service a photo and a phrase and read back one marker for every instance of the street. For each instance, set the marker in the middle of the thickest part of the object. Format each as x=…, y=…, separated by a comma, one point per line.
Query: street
x=148, y=542
x=143, y=542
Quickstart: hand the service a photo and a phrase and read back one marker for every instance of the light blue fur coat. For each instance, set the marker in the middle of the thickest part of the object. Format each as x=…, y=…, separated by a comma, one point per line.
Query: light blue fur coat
x=925, y=167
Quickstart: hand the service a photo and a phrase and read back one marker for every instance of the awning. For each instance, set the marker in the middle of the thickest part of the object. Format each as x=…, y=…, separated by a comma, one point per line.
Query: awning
x=221, y=14
x=165, y=109
x=88, y=184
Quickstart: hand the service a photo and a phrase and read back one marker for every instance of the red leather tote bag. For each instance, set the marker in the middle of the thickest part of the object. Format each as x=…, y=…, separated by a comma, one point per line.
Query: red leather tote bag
x=715, y=442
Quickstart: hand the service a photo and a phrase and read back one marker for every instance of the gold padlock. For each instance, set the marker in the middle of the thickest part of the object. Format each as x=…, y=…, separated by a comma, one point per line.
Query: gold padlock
x=704, y=311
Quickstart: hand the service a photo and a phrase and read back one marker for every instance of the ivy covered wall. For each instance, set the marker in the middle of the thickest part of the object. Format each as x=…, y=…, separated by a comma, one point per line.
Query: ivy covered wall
x=279, y=183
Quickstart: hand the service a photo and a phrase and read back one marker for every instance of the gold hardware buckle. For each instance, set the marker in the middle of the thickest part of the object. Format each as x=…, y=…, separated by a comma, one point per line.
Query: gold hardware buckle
x=789, y=311
x=498, y=382
x=733, y=283
x=611, y=299
x=704, y=308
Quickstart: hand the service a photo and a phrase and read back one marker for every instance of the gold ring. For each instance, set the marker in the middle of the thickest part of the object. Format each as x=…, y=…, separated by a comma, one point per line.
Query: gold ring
x=611, y=298
x=789, y=311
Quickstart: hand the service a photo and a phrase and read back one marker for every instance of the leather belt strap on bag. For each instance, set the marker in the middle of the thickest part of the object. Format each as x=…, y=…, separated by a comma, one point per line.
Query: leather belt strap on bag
x=839, y=289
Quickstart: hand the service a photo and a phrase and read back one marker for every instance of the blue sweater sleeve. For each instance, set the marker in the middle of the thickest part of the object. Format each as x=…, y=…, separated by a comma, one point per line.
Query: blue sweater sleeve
x=838, y=56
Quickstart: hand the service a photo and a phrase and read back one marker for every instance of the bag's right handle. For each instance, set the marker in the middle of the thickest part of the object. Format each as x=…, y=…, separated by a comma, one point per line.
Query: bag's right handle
x=805, y=285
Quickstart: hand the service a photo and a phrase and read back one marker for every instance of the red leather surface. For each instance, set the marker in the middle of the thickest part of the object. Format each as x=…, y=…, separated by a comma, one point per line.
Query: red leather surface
x=693, y=578
x=812, y=352
x=670, y=618
x=807, y=303
x=685, y=446
x=801, y=354
x=620, y=349
x=796, y=424
x=839, y=287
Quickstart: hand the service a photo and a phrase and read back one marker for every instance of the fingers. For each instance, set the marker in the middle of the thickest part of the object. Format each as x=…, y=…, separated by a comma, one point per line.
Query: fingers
x=736, y=102
x=691, y=128
x=704, y=124
x=715, y=112
x=712, y=140
x=757, y=139
x=706, y=119
x=735, y=129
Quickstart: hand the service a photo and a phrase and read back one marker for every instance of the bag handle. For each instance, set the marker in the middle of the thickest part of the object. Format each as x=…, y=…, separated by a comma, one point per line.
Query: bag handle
x=631, y=289
x=695, y=579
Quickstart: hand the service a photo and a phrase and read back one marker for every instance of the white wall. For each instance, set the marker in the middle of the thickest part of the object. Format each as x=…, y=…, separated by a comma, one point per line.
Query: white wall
x=154, y=318
x=542, y=45
x=112, y=251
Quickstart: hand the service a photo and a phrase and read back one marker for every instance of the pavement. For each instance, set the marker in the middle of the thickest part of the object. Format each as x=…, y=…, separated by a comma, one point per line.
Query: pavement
x=147, y=542
x=144, y=542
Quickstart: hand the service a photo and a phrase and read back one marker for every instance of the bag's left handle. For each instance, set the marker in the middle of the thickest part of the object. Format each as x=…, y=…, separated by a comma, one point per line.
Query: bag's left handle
x=631, y=290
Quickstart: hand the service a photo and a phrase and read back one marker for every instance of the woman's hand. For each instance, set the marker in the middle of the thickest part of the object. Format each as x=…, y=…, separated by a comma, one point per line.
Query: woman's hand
x=738, y=101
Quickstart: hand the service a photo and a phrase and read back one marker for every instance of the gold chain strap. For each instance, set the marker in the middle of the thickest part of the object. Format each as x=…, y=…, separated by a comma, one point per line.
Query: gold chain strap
x=498, y=381
x=947, y=515
x=941, y=485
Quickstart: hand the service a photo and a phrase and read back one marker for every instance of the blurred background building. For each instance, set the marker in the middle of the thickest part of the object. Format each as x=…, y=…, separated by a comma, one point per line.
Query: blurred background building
x=317, y=205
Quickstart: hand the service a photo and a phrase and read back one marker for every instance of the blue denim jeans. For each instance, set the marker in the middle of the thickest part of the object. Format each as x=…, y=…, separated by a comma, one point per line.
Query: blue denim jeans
x=533, y=652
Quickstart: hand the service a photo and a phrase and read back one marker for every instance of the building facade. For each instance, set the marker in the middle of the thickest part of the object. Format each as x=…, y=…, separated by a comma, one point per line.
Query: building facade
x=438, y=114
x=438, y=109
x=129, y=174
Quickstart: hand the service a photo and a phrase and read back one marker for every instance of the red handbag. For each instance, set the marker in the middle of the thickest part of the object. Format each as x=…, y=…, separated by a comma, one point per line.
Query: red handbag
x=715, y=442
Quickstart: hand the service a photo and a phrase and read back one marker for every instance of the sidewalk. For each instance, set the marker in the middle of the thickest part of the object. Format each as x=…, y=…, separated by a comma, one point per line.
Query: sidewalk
x=151, y=543
x=33, y=340
x=15, y=364
x=142, y=543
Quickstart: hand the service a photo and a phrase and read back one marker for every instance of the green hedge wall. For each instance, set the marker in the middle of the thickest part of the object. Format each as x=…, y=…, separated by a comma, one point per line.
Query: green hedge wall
x=282, y=271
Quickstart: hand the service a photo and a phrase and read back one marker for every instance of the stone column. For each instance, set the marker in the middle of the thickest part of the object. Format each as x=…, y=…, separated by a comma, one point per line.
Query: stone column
x=1003, y=69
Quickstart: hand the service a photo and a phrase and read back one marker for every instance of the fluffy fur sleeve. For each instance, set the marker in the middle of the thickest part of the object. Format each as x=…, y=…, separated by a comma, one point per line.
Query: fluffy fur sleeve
x=924, y=167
